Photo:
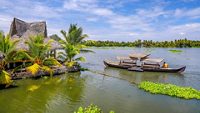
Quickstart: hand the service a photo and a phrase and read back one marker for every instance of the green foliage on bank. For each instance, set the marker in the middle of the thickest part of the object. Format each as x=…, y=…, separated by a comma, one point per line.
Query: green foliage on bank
x=170, y=89
x=90, y=109
x=7, y=54
x=181, y=43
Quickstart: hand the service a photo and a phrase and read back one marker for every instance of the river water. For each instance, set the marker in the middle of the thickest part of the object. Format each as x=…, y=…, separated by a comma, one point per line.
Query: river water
x=65, y=93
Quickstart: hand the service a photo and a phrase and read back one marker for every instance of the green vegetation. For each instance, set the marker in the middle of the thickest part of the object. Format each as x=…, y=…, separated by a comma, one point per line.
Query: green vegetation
x=72, y=45
x=90, y=109
x=175, y=51
x=171, y=90
x=8, y=53
x=37, y=55
x=181, y=43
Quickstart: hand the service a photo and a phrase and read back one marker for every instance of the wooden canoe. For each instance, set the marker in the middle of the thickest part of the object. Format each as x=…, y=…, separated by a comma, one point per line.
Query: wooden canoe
x=130, y=67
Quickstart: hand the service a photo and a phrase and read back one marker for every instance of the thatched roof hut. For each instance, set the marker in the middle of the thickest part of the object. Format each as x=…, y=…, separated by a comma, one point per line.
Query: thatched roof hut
x=22, y=30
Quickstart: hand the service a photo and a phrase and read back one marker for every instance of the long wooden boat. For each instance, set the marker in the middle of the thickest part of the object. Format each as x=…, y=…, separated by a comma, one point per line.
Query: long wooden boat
x=132, y=68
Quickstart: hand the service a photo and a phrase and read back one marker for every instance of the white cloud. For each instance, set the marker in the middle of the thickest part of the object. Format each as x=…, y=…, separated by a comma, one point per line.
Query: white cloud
x=92, y=19
x=80, y=5
x=104, y=22
x=5, y=22
x=29, y=9
x=102, y=12
x=190, y=13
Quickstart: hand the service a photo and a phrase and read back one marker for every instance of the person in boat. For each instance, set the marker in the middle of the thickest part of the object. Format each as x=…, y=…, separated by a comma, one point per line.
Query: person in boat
x=165, y=65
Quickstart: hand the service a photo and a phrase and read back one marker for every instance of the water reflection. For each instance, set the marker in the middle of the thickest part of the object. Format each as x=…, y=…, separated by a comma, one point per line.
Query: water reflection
x=51, y=95
x=137, y=77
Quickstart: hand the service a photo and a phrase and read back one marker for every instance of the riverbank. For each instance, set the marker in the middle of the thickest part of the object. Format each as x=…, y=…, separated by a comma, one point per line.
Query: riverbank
x=180, y=43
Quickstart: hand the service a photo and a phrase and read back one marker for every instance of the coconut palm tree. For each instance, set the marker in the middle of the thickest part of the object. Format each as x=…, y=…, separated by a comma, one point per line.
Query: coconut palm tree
x=75, y=35
x=72, y=45
x=8, y=53
x=37, y=54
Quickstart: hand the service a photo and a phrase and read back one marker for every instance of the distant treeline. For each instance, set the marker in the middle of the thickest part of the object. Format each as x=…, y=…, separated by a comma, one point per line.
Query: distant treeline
x=181, y=43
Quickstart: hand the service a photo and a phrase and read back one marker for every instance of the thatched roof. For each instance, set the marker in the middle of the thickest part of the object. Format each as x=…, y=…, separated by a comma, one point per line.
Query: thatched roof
x=19, y=28
x=138, y=55
x=22, y=30
x=21, y=44
x=123, y=58
x=54, y=45
x=153, y=60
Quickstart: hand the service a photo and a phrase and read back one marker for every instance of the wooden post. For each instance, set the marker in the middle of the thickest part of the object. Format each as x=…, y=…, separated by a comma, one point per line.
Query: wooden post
x=14, y=65
x=54, y=53
x=23, y=64
x=8, y=65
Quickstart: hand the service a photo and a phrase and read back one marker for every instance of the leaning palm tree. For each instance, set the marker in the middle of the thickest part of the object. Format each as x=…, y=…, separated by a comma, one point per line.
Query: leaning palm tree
x=72, y=45
x=37, y=54
x=8, y=53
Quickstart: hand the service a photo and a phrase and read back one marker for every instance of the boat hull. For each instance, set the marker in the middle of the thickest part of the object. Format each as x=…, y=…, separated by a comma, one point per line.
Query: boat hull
x=168, y=70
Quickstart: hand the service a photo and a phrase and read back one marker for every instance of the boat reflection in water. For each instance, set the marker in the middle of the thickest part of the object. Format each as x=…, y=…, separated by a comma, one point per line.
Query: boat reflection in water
x=137, y=77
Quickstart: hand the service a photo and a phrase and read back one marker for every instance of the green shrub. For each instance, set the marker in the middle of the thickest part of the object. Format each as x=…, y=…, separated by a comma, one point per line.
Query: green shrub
x=90, y=109
x=171, y=90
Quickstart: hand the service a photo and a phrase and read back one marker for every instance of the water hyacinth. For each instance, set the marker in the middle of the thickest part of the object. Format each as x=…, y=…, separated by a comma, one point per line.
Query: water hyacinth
x=90, y=109
x=175, y=51
x=170, y=89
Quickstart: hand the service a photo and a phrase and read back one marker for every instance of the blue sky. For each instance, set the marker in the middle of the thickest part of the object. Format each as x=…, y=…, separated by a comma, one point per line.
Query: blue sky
x=119, y=20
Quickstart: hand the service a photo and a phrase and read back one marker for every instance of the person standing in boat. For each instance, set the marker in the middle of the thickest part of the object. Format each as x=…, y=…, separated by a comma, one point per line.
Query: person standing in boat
x=165, y=65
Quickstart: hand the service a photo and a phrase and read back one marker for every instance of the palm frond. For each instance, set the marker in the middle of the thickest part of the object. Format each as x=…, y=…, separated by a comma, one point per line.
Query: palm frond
x=33, y=69
x=47, y=69
x=82, y=59
x=5, y=78
x=23, y=54
x=51, y=61
x=70, y=64
x=86, y=51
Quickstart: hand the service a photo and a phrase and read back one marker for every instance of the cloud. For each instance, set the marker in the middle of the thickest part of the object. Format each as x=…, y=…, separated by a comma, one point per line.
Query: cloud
x=189, y=13
x=102, y=12
x=108, y=20
x=29, y=9
x=79, y=5
x=92, y=19
x=5, y=22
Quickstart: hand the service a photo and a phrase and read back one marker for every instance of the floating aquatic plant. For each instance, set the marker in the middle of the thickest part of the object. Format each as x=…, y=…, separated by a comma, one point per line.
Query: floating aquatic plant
x=90, y=109
x=170, y=89
x=175, y=51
